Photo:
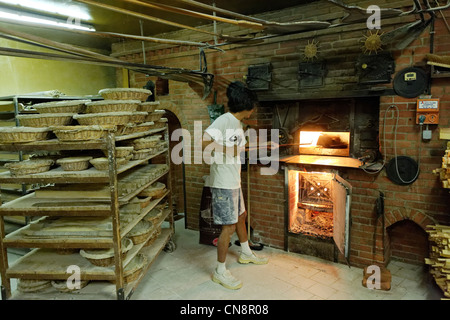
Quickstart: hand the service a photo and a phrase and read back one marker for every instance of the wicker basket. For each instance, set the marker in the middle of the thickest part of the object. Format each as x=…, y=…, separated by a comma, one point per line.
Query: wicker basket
x=61, y=285
x=140, y=232
x=28, y=167
x=153, y=215
x=23, y=134
x=142, y=154
x=138, y=117
x=74, y=163
x=112, y=106
x=146, y=126
x=79, y=133
x=105, y=118
x=161, y=123
x=66, y=106
x=30, y=285
x=146, y=143
x=45, y=120
x=154, y=236
x=155, y=115
x=105, y=257
x=125, y=94
x=121, y=152
x=133, y=269
x=102, y=164
x=148, y=106
x=156, y=190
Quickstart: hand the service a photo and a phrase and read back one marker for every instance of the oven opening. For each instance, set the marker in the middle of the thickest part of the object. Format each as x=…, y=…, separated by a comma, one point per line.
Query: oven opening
x=318, y=209
x=325, y=143
x=313, y=213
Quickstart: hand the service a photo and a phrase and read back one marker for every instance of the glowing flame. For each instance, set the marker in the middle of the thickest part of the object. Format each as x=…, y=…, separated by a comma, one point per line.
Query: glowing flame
x=309, y=138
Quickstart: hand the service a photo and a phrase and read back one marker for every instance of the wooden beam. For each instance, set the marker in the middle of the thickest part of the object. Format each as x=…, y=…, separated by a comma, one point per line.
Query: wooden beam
x=190, y=13
x=155, y=19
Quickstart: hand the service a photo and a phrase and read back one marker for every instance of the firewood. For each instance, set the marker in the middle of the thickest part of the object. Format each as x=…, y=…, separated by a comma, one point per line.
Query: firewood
x=439, y=259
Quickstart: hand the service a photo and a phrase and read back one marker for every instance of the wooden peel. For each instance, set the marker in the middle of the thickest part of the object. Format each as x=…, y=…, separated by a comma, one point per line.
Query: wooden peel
x=240, y=23
x=157, y=20
x=66, y=48
x=269, y=26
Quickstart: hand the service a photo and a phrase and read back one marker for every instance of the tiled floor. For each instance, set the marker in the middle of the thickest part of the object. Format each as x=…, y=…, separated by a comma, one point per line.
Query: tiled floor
x=186, y=274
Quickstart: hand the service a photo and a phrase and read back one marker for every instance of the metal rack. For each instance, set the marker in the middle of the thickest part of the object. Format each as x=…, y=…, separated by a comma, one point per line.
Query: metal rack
x=40, y=262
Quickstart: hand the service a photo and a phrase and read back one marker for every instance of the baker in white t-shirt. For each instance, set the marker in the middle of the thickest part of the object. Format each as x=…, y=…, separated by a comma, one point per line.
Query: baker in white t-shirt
x=227, y=140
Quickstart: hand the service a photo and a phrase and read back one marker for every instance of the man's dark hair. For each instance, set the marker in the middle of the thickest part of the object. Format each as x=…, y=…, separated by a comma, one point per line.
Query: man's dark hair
x=240, y=98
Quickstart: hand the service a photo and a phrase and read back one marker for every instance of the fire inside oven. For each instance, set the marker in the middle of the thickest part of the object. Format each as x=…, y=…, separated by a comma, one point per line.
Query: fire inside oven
x=311, y=211
x=324, y=143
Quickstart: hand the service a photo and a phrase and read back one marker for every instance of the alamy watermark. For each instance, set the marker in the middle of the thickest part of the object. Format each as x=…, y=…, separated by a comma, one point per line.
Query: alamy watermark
x=374, y=280
x=74, y=280
x=374, y=21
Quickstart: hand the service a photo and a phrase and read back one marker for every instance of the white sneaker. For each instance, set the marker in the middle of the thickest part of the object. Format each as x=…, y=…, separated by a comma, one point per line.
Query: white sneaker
x=252, y=258
x=227, y=280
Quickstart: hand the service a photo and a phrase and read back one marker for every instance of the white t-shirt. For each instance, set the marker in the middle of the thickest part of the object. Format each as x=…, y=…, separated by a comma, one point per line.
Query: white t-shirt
x=225, y=171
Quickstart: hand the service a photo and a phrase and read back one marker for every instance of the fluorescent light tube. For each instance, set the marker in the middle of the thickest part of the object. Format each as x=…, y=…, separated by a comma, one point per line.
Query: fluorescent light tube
x=21, y=17
x=64, y=8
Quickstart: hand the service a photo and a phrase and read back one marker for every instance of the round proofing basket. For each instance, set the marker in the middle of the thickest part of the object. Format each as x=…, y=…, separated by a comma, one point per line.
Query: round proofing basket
x=148, y=106
x=29, y=167
x=66, y=106
x=74, y=163
x=23, y=134
x=125, y=94
x=45, y=120
x=138, y=117
x=145, y=143
x=141, y=232
x=155, y=115
x=112, y=106
x=78, y=133
x=105, y=258
x=105, y=118
x=121, y=152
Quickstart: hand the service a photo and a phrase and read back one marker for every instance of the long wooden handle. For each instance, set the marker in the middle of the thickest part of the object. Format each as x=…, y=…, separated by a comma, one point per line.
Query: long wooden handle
x=240, y=23
x=53, y=44
x=223, y=11
x=144, y=17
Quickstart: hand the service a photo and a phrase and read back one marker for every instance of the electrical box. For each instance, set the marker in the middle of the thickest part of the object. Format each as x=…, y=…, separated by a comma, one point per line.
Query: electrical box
x=428, y=108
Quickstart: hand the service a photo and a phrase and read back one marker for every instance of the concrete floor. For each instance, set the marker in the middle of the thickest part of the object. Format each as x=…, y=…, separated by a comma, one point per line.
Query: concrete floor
x=185, y=274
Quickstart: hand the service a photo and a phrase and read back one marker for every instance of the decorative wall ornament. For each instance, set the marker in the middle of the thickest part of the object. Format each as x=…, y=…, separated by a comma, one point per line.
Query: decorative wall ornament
x=311, y=50
x=372, y=42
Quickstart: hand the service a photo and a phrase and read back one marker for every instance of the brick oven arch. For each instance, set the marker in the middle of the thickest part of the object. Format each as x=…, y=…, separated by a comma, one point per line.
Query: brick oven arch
x=399, y=214
x=172, y=107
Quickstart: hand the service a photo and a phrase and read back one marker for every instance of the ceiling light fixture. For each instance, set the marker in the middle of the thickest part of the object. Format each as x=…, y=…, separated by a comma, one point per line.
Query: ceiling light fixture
x=70, y=23
x=65, y=8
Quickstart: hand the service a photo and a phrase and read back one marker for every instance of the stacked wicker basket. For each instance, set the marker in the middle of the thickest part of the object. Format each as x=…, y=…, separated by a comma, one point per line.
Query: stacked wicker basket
x=123, y=109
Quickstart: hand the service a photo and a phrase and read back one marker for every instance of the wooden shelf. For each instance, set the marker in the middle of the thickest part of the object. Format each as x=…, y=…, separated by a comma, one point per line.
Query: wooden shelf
x=56, y=145
x=20, y=239
x=29, y=205
x=97, y=289
x=58, y=175
x=47, y=264
x=116, y=188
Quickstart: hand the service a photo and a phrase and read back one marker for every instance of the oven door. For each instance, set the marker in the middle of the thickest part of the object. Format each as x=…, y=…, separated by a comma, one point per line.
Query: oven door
x=342, y=193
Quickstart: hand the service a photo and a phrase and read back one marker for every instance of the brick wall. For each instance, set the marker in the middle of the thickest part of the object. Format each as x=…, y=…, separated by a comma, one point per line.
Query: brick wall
x=423, y=202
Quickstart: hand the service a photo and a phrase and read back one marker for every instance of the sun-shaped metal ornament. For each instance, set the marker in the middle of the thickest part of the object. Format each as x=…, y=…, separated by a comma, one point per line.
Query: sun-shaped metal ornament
x=311, y=50
x=372, y=42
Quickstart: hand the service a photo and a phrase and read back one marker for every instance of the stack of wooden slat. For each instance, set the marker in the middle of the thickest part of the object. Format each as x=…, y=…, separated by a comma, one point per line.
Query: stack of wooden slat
x=444, y=172
x=439, y=259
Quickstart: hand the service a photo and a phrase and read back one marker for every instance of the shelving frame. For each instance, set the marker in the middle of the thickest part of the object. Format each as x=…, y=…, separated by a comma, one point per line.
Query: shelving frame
x=26, y=206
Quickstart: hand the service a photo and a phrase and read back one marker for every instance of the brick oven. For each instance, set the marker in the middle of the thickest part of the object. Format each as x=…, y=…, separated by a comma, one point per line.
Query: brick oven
x=318, y=138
